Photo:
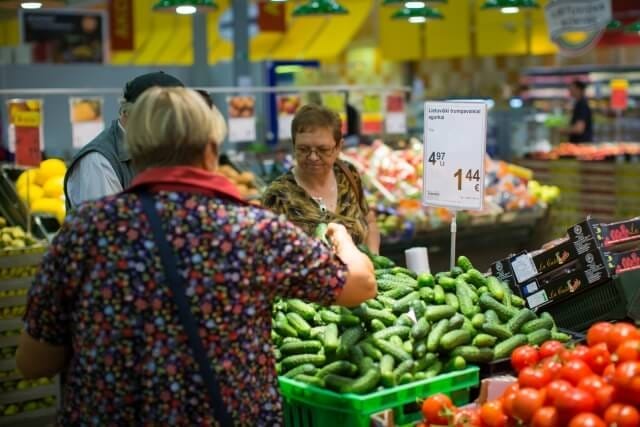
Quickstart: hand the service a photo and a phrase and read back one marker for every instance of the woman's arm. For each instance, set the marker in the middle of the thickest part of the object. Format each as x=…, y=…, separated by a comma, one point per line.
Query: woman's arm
x=37, y=359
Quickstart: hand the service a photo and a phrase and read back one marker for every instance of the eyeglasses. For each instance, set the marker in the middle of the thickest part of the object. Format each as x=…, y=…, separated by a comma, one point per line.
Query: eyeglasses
x=302, y=151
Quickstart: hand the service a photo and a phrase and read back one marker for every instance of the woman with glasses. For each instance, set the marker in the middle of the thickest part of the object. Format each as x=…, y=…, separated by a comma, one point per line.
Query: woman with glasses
x=321, y=188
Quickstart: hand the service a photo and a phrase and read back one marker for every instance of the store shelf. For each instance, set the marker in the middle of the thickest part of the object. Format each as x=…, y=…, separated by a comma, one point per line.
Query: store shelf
x=39, y=418
x=21, y=260
x=28, y=394
x=16, y=376
x=9, y=341
x=16, y=283
x=10, y=325
x=13, y=301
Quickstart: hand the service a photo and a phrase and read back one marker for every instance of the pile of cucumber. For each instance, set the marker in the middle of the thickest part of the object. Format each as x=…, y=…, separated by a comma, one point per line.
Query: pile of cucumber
x=416, y=328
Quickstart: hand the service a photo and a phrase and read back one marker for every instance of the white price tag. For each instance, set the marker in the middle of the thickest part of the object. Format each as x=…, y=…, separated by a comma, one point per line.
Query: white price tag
x=455, y=138
x=242, y=129
x=396, y=123
x=524, y=268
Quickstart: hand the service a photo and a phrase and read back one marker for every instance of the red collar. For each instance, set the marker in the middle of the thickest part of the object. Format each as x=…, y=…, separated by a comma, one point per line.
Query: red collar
x=187, y=179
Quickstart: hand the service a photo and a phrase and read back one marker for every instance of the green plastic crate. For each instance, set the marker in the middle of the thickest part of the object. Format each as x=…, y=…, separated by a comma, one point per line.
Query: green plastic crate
x=309, y=406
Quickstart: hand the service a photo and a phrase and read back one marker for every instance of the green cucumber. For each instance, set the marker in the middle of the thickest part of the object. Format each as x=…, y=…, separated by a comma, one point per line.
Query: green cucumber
x=290, y=339
x=433, y=313
x=383, y=271
x=535, y=324
x=420, y=329
x=403, y=304
x=484, y=340
x=456, y=271
x=408, y=346
x=438, y=295
x=546, y=315
x=452, y=300
x=384, y=316
x=426, y=279
x=377, y=325
x=301, y=347
x=349, y=339
x=456, y=363
x=419, y=376
x=425, y=362
x=400, y=331
x=472, y=354
x=560, y=336
x=468, y=326
x=420, y=350
x=291, y=362
x=464, y=263
x=374, y=304
x=464, y=298
x=277, y=354
x=406, y=378
x=498, y=331
x=403, y=368
x=456, y=322
x=330, y=338
x=397, y=341
x=404, y=320
x=435, y=369
x=282, y=326
x=365, y=365
x=447, y=283
x=427, y=295
x=478, y=320
x=487, y=302
x=317, y=332
x=517, y=301
x=302, y=308
x=307, y=368
x=387, y=302
x=356, y=355
x=419, y=307
x=516, y=322
x=339, y=367
x=369, y=350
x=482, y=290
x=495, y=288
x=437, y=331
x=361, y=385
x=491, y=317
x=385, y=285
x=539, y=336
x=311, y=380
x=382, y=262
x=476, y=278
x=455, y=338
x=405, y=271
x=387, y=364
x=397, y=352
x=329, y=316
x=505, y=348
x=398, y=292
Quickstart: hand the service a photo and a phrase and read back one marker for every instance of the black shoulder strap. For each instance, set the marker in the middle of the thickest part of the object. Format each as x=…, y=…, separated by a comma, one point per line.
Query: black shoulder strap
x=169, y=264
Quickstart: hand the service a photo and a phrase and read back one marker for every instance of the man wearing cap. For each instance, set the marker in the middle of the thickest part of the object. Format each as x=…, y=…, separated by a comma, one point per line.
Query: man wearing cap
x=103, y=167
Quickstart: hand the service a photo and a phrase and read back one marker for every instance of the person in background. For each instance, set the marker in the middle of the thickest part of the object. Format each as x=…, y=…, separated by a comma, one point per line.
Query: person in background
x=103, y=167
x=320, y=188
x=111, y=319
x=581, y=129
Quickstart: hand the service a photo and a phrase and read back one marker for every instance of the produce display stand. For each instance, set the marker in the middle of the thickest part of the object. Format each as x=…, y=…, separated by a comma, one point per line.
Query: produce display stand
x=309, y=406
x=22, y=403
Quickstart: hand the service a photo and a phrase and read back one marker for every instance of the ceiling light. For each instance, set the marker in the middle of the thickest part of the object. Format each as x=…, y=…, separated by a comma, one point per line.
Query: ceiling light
x=414, y=4
x=31, y=5
x=185, y=7
x=186, y=10
x=508, y=6
x=510, y=10
x=417, y=19
x=418, y=15
x=319, y=8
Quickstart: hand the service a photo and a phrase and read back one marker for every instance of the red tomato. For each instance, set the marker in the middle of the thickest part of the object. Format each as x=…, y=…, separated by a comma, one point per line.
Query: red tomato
x=598, y=333
x=523, y=357
x=550, y=348
x=609, y=373
x=492, y=414
x=598, y=358
x=527, y=402
x=557, y=389
x=508, y=400
x=438, y=409
x=574, y=370
x=574, y=402
x=511, y=389
x=592, y=384
x=580, y=352
x=628, y=351
x=587, y=420
x=604, y=398
x=546, y=417
x=620, y=333
x=622, y=416
x=534, y=377
x=553, y=364
x=467, y=418
x=627, y=380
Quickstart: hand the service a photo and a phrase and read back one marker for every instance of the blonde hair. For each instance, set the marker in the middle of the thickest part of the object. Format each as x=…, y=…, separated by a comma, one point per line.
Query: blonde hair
x=170, y=127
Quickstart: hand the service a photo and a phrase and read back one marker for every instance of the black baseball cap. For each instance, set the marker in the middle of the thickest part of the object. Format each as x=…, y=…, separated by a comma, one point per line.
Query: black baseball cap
x=134, y=88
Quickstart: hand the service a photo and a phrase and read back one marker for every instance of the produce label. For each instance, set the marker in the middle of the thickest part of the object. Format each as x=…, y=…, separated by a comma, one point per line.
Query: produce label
x=455, y=137
x=86, y=119
x=242, y=118
x=25, y=130
x=396, y=116
x=288, y=104
x=372, y=114
x=337, y=102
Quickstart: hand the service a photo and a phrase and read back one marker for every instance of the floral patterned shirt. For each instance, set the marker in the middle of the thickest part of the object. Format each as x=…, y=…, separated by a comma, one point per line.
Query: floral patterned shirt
x=101, y=290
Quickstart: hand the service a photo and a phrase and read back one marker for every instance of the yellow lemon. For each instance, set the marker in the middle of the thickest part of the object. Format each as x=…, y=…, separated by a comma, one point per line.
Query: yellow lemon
x=33, y=192
x=51, y=168
x=29, y=176
x=46, y=205
x=54, y=187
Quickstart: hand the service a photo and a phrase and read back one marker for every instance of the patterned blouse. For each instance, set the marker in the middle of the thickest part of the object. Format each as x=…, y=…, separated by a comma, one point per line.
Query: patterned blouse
x=285, y=196
x=101, y=291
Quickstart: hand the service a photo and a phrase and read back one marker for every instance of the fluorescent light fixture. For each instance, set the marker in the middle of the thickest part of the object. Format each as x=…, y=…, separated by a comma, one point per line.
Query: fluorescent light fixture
x=510, y=10
x=289, y=69
x=31, y=5
x=186, y=10
x=415, y=4
x=417, y=19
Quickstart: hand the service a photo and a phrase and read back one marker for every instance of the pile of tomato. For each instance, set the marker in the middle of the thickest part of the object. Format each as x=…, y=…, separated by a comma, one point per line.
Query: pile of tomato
x=593, y=385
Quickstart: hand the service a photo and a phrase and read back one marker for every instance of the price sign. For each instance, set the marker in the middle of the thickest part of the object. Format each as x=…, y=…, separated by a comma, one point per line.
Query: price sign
x=455, y=138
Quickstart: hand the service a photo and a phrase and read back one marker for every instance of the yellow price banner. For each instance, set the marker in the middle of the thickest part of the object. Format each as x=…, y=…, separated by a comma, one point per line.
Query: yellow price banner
x=30, y=119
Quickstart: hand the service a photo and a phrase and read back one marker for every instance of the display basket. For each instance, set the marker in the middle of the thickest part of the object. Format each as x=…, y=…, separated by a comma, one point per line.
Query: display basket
x=309, y=406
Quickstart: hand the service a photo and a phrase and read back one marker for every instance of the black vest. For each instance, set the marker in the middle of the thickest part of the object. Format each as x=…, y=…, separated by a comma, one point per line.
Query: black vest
x=109, y=143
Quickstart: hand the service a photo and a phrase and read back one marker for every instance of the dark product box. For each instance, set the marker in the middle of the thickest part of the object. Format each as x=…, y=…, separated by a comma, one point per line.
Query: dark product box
x=623, y=261
x=606, y=235
x=502, y=271
x=585, y=235
x=554, y=257
x=588, y=270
